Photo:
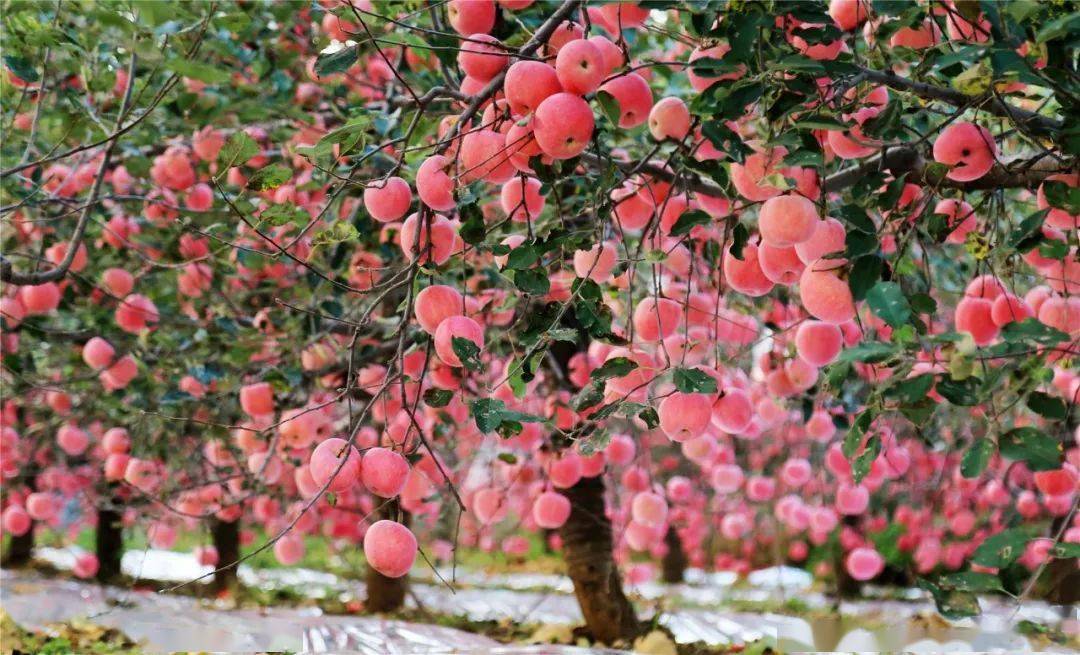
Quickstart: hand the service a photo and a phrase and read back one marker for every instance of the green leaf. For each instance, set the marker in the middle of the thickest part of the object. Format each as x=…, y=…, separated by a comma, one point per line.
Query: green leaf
x=976, y=458
x=865, y=273
x=1031, y=329
x=1002, y=549
x=594, y=442
x=887, y=542
x=970, y=581
x=514, y=415
x=22, y=68
x=491, y=415
x=692, y=380
x=532, y=281
x=935, y=172
x=1054, y=249
x=1062, y=196
x=336, y=62
x=886, y=299
x=523, y=256
x=859, y=244
x=509, y=458
x=487, y=412
x=739, y=238
x=468, y=352
x=856, y=432
x=870, y=352
x=885, y=123
x=1055, y=29
x=609, y=106
x=237, y=150
x=348, y=136
x=473, y=231
x=650, y=417
x=438, y=397
x=174, y=396
x=837, y=374
x=278, y=215
x=860, y=467
x=616, y=367
x=563, y=334
x=820, y=122
x=1048, y=406
x=919, y=412
x=590, y=396
x=198, y=71
x=952, y=603
x=856, y=217
x=912, y=390
x=524, y=372
x=922, y=303
x=1038, y=450
x=963, y=393
x=1065, y=550
x=337, y=232
x=269, y=177
x=688, y=221
x=1029, y=232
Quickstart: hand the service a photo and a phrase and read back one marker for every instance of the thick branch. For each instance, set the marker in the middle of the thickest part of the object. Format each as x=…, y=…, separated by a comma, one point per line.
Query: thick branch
x=539, y=38
x=993, y=104
x=690, y=182
x=1022, y=173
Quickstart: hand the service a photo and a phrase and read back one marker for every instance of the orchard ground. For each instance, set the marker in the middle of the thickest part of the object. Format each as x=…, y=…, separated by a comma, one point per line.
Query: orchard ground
x=643, y=301
x=709, y=614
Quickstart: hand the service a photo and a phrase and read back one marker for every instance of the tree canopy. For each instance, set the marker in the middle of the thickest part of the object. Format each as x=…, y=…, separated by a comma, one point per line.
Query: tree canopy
x=789, y=280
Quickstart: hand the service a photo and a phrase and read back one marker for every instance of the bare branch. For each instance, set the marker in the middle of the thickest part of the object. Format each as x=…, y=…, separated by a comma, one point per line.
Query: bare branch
x=1020, y=173
x=992, y=104
x=8, y=274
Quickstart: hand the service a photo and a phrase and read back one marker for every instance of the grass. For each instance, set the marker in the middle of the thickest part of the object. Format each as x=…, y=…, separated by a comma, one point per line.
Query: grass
x=1042, y=635
x=64, y=638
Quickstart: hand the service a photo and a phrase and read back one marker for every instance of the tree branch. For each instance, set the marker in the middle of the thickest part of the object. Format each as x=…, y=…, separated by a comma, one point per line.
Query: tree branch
x=695, y=184
x=538, y=39
x=1027, y=119
x=1018, y=173
x=8, y=274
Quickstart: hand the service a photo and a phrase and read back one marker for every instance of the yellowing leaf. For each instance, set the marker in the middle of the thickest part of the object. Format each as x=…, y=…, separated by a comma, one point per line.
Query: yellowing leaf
x=974, y=81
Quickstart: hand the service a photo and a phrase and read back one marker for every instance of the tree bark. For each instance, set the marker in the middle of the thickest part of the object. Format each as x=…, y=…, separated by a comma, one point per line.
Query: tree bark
x=1061, y=575
x=673, y=565
x=587, y=548
x=1064, y=582
x=226, y=536
x=387, y=594
x=1018, y=173
x=846, y=586
x=20, y=549
x=109, y=544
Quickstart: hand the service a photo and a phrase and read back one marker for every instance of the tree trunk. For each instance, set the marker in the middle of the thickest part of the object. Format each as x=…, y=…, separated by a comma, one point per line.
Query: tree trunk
x=387, y=594
x=1064, y=581
x=846, y=586
x=1062, y=578
x=587, y=548
x=674, y=563
x=108, y=544
x=226, y=537
x=20, y=549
